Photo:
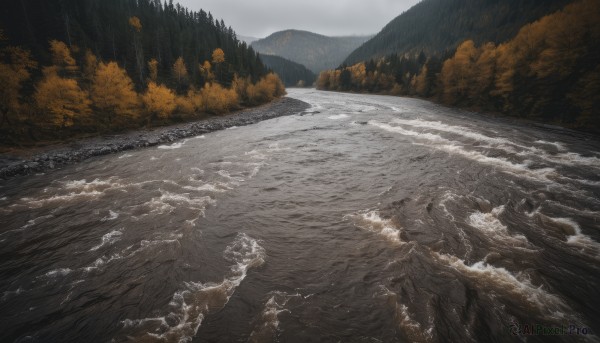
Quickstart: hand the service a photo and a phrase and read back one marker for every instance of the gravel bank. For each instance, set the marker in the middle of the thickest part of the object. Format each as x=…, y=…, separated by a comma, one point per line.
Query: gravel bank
x=36, y=160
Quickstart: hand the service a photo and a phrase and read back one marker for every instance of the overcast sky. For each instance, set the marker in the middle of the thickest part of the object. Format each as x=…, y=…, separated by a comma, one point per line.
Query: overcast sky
x=260, y=18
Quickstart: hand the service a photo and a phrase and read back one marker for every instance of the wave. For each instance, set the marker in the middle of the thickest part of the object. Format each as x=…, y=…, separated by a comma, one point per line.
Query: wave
x=558, y=145
x=35, y=221
x=129, y=252
x=172, y=146
x=189, y=306
x=541, y=175
x=108, y=239
x=565, y=158
x=168, y=202
x=400, y=130
x=372, y=222
x=112, y=215
x=490, y=225
x=338, y=116
x=573, y=234
x=58, y=272
x=491, y=279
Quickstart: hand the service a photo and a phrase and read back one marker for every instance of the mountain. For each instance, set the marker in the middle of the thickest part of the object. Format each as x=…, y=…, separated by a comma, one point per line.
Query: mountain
x=291, y=73
x=435, y=26
x=316, y=52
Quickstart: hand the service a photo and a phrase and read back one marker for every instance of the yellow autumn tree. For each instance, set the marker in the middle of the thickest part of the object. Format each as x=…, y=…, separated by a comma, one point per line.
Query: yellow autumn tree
x=265, y=90
x=218, y=56
x=323, y=81
x=159, y=102
x=240, y=86
x=195, y=99
x=565, y=35
x=135, y=23
x=217, y=99
x=61, y=98
x=90, y=65
x=62, y=58
x=419, y=82
x=206, y=71
x=15, y=67
x=180, y=73
x=481, y=79
x=218, y=59
x=457, y=71
x=153, y=69
x=113, y=94
x=184, y=105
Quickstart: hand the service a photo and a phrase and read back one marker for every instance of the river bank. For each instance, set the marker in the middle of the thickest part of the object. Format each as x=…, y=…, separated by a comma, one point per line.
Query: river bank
x=35, y=160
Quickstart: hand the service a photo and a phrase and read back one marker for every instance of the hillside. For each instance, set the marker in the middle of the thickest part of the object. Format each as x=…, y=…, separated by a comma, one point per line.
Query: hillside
x=547, y=72
x=436, y=26
x=79, y=67
x=291, y=73
x=316, y=52
x=167, y=32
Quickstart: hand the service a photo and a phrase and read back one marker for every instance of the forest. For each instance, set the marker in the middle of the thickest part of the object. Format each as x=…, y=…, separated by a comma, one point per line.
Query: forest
x=433, y=26
x=78, y=67
x=549, y=71
x=291, y=73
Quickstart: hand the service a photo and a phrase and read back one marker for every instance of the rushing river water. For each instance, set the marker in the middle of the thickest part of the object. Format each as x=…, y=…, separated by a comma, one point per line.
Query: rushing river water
x=364, y=219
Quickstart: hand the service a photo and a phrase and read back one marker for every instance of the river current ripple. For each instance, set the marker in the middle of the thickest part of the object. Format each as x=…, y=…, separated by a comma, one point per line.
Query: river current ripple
x=363, y=219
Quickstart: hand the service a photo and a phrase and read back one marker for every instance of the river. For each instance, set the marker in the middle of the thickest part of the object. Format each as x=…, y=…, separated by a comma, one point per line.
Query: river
x=363, y=219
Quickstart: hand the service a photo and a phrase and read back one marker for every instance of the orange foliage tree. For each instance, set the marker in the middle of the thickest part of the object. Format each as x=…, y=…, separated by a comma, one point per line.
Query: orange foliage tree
x=112, y=93
x=217, y=99
x=159, y=101
x=61, y=98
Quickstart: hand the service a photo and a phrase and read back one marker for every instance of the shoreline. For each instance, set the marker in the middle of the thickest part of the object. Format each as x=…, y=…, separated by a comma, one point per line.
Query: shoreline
x=24, y=162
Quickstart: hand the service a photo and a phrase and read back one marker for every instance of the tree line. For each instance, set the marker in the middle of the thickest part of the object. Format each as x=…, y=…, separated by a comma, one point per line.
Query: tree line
x=438, y=25
x=111, y=71
x=549, y=71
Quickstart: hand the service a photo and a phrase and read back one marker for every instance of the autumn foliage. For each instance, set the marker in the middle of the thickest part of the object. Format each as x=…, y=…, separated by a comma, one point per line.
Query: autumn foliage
x=159, y=101
x=550, y=71
x=113, y=94
x=101, y=96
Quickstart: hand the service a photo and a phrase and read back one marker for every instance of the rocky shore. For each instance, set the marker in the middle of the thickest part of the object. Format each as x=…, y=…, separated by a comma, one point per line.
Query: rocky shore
x=24, y=162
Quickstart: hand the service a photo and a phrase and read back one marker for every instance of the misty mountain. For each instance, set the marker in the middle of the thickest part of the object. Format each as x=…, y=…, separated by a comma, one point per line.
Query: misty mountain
x=435, y=26
x=291, y=73
x=247, y=39
x=316, y=52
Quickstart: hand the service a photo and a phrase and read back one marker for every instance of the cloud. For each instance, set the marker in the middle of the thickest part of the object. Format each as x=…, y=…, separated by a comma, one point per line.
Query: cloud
x=259, y=18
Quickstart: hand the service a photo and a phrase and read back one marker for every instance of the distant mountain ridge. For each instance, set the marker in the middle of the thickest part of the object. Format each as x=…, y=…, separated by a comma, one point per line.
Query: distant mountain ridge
x=247, y=39
x=434, y=26
x=316, y=52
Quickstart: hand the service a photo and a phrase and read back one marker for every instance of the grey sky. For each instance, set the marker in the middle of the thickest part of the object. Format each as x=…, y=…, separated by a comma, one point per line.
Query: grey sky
x=260, y=18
